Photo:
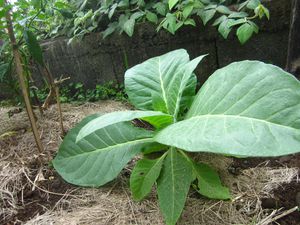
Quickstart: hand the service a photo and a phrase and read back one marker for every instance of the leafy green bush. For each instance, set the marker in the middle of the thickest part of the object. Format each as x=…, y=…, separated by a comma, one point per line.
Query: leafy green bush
x=76, y=92
x=122, y=16
x=245, y=109
x=28, y=19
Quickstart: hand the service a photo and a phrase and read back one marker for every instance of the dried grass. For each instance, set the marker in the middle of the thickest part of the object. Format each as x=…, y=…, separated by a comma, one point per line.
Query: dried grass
x=10, y=186
x=18, y=152
x=112, y=204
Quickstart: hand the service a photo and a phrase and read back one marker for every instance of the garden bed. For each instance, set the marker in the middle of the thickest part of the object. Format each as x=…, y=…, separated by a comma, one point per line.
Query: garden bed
x=263, y=190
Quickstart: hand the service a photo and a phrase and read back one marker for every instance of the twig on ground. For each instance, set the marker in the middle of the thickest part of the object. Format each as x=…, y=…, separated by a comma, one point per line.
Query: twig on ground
x=46, y=191
x=272, y=218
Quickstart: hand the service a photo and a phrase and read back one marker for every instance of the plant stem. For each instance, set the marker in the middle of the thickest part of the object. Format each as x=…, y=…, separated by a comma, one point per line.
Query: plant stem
x=19, y=70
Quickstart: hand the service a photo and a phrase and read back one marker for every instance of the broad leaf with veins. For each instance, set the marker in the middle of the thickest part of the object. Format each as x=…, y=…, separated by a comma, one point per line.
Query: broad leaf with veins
x=99, y=157
x=209, y=183
x=144, y=175
x=173, y=185
x=157, y=119
x=245, y=109
x=165, y=83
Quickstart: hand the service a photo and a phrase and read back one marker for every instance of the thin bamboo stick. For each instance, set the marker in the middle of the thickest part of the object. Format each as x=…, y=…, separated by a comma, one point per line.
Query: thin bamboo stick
x=20, y=73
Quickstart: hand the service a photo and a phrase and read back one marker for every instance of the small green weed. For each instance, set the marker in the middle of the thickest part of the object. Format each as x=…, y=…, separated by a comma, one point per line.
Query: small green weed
x=76, y=92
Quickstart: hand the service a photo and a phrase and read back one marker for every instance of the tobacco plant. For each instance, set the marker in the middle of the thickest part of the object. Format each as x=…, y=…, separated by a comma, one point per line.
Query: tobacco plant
x=246, y=109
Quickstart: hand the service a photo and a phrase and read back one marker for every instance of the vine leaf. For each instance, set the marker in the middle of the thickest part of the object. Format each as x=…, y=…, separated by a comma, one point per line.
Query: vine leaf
x=245, y=32
x=187, y=10
x=207, y=15
x=225, y=28
x=129, y=27
x=172, y=3
x=152, y=17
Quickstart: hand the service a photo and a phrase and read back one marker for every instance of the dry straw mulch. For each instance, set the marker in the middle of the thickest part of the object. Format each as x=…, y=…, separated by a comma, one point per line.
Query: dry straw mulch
x=112, y=204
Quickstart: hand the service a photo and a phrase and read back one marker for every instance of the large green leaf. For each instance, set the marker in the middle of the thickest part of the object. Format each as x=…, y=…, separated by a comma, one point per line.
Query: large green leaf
x=152, y=78
x=144, y=176
x=182, y=87
x=33, y=46
x=157, y=119
x=173, y=185
x=247, y=108
x=209, y=183
x=163, y=83
x=99, y=157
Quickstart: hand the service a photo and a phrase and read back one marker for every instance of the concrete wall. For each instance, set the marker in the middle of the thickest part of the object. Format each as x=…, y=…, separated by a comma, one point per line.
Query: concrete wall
x=94, y=60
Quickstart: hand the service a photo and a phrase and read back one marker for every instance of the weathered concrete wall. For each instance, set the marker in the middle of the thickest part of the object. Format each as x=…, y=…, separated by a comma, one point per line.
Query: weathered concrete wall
x=269, y=45
x=94, y=60
x=5, y=91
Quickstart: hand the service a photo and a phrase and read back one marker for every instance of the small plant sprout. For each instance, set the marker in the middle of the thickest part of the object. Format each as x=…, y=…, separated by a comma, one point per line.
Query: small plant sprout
x=246, y=109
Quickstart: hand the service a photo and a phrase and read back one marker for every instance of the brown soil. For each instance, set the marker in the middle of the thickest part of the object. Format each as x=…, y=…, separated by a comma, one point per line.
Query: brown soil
x=27, y=197
x=286, y=196
x=36, y=202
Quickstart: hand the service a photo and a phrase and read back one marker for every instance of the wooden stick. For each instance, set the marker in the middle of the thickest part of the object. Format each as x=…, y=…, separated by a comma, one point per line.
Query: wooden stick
x=293, y=53
x=48, y=99
x=272, y=218
x=285, y=213
x=59, y=111
x=55, y=90
x=22, y=82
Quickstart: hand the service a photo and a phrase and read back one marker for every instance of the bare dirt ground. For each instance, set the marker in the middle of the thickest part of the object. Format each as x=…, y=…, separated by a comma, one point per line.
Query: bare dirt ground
x=264, y=191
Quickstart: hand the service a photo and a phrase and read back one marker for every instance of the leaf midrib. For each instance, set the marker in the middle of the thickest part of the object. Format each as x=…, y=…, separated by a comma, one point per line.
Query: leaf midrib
x=110, y=147
x=173, y=181
x=162, y=85
x=242, y=117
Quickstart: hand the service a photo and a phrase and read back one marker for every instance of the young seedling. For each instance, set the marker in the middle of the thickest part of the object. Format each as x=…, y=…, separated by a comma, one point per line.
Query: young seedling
x=246, y=109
